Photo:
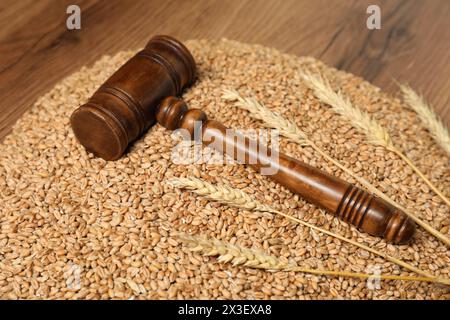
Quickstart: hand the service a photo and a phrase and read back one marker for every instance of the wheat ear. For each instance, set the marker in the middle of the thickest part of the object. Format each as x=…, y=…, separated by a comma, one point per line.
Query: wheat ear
x=238, y=198
x=428, y=117
x=291, y=131
x=375, y=133
x=240, y=256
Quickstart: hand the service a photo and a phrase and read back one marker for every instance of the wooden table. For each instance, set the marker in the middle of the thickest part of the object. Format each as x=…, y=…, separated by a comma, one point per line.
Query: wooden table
x=413, y=45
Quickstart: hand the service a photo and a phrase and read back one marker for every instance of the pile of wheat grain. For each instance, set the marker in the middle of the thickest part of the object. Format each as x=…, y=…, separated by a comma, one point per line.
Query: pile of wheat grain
x=73, y=226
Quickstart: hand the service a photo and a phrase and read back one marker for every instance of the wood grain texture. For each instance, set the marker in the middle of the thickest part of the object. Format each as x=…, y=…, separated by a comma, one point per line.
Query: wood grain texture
x=413, y=45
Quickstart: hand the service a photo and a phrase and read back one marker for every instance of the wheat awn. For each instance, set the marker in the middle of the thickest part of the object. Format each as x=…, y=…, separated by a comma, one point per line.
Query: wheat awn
x=375, y=133
x=252, y=258
x=238, y=198
x=428, y=117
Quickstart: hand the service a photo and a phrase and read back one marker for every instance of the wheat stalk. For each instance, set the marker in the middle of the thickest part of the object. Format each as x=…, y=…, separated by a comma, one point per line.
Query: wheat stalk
x=375, y=133
x=291, y=131
x=240, y=256
x=271, y=119
x=427, y=116
x=343, y=106
x=238, y=198
x=220, y=193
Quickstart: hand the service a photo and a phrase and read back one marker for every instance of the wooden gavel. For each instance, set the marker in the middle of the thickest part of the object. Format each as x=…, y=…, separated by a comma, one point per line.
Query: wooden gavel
x=143, y=91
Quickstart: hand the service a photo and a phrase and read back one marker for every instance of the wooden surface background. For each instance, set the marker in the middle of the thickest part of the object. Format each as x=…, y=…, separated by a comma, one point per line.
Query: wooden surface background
x=413, y=45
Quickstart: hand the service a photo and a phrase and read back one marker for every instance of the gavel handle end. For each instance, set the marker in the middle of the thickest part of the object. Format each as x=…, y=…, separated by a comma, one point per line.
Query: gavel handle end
x=375, y=216
x=400, y=228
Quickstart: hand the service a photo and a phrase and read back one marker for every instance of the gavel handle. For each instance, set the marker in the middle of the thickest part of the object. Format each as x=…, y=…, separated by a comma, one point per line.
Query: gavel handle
x=350, y=203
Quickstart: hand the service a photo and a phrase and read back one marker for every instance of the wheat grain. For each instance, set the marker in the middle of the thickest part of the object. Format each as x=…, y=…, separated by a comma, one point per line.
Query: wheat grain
x=238, y=198
x=291, y=131
x=374, y=132
x=240, y=256
x=428, y=117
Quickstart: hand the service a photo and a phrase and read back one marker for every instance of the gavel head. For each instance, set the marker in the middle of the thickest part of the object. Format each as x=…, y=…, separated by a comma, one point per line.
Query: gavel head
x=124, y=107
